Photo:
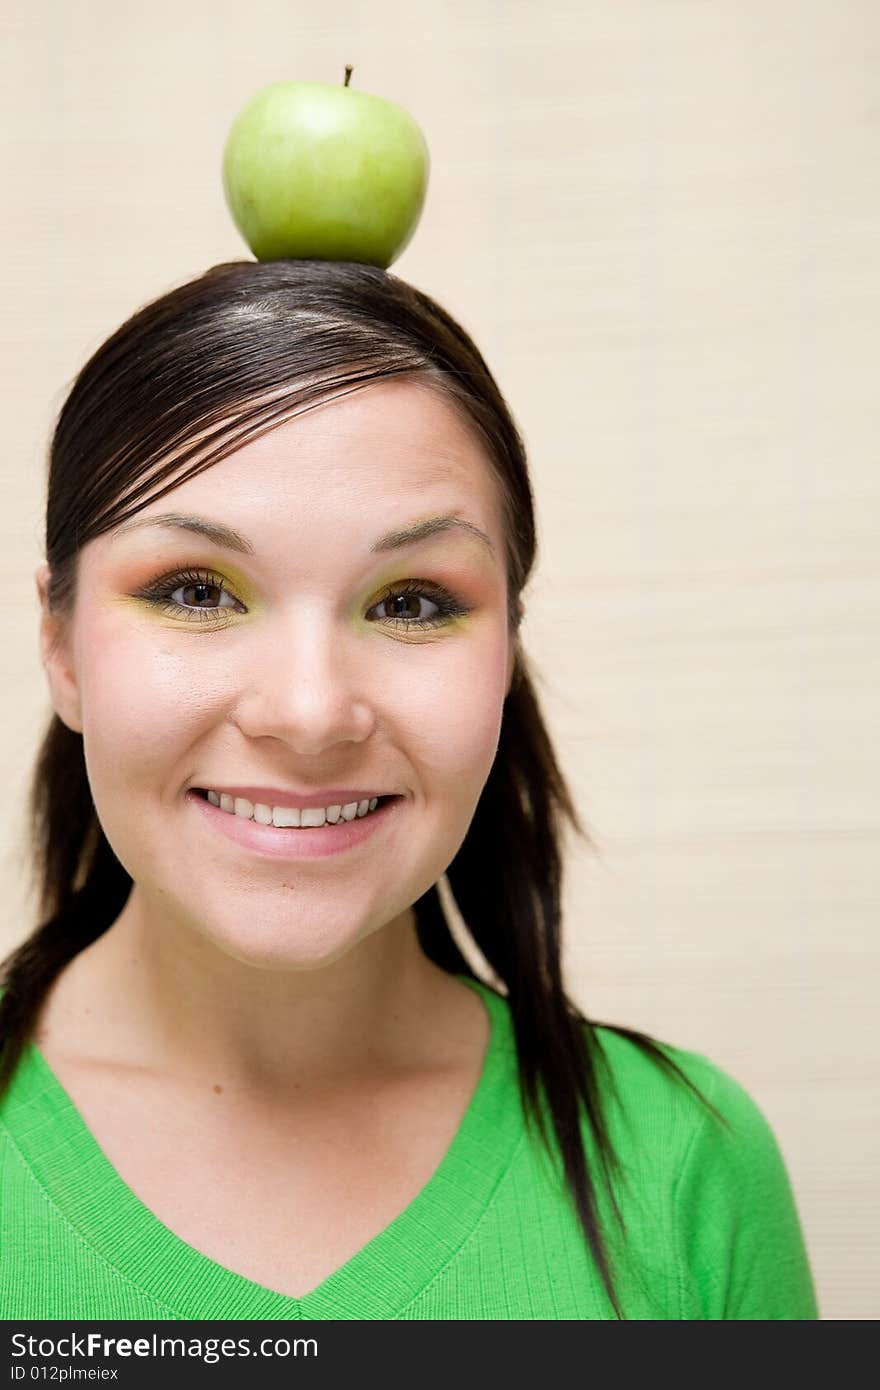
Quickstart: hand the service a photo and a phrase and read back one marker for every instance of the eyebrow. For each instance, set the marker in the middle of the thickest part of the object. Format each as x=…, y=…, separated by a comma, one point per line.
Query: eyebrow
x=229, y=539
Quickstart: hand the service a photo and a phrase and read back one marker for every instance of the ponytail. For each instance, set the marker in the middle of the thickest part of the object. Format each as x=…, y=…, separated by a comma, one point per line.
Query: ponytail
x=81, y=886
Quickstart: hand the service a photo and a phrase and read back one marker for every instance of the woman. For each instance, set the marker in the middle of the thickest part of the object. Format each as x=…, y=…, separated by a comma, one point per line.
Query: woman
x=247, y=1072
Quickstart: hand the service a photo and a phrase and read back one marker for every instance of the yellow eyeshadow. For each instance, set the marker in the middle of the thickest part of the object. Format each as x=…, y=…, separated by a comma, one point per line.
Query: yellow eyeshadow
x=238, y=587
x=233, y=578
x=235, y=583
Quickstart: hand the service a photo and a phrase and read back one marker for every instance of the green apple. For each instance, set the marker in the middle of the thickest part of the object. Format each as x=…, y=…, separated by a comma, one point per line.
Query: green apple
x=322, y=172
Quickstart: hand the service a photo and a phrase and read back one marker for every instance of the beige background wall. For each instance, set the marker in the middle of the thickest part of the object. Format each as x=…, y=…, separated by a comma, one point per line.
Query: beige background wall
x=659, y=219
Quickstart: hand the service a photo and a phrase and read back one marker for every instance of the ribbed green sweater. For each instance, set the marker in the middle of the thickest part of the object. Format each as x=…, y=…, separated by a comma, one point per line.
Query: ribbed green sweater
x=711, y=1225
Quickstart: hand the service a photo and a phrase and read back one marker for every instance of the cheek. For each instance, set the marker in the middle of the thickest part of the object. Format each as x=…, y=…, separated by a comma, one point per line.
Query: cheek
x=448, y=714
x=138, y=702
x=148, y=698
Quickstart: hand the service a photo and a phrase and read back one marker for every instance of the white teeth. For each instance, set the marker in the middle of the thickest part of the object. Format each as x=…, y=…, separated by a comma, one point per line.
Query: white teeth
x=287, y=816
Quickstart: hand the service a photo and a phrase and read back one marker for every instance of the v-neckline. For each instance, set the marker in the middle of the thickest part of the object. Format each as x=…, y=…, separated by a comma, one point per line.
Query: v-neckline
x=377, y=1282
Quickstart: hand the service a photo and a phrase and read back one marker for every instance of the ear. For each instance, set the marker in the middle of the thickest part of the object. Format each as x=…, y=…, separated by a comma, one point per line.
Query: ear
x=55, y=655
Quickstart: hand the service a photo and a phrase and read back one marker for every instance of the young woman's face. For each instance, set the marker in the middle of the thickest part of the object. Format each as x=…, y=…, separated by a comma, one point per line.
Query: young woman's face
x=295, y=667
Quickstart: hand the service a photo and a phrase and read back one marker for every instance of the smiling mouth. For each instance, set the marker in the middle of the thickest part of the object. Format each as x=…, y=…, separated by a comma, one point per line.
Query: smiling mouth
x=381, y=801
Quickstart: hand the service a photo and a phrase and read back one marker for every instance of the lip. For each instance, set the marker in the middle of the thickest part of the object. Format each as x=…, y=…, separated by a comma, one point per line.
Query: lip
x=277, y=796
x=314, y=842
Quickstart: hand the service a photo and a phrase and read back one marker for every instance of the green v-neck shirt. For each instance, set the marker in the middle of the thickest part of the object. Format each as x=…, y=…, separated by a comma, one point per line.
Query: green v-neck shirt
x=711, y=1226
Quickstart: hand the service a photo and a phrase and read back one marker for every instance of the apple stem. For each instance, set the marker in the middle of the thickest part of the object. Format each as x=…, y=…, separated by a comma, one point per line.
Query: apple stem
x=348, y=72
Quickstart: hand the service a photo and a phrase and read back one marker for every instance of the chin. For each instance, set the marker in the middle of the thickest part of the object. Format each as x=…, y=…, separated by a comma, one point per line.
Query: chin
x=285, y=945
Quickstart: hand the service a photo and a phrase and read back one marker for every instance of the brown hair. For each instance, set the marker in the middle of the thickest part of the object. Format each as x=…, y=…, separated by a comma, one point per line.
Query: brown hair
x=220, y=360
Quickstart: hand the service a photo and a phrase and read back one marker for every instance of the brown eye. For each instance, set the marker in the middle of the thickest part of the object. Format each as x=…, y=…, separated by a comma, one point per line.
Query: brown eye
x=201, y=593
x=198, y=596
x=404, y=606
x=408, y=606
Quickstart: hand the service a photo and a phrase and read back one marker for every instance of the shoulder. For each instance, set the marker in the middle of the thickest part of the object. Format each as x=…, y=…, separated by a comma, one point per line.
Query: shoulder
x=667, y=1094
x=703, y=1155
x=681, y=1110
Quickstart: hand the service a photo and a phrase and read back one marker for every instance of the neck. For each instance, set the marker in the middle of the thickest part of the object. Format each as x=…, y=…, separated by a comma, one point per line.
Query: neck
x=173, y=1002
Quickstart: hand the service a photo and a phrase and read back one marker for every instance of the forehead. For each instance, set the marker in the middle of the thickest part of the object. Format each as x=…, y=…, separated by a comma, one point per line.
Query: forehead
x=373, y=447
x=328, y=488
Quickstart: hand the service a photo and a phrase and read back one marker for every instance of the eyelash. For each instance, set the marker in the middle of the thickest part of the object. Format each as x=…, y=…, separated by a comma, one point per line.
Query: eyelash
x=159, y=591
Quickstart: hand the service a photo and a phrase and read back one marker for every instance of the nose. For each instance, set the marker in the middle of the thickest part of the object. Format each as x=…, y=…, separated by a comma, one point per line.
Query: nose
x=305, y=683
